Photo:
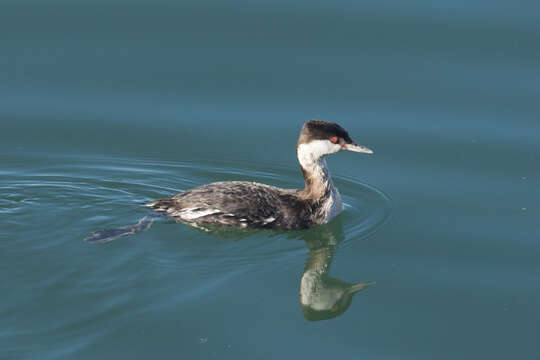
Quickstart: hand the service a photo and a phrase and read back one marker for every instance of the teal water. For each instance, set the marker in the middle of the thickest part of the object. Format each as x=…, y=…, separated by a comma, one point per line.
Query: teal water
x=107, y=104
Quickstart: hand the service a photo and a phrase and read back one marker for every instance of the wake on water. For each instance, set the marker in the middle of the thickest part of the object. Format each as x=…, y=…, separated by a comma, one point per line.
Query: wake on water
x=102, y=236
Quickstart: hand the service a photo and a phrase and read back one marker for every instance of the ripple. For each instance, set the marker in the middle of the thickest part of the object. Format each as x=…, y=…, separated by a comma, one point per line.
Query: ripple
x=105, y=192
x=57, y=201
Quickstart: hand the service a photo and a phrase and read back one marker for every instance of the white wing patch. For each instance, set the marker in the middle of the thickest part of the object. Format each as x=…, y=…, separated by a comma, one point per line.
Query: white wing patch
x=190, y=214
x=269, y=220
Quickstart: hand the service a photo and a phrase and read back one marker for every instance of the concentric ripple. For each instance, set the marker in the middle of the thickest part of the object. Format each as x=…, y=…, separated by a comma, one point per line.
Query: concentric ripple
x=48, y=205
x=107, y=192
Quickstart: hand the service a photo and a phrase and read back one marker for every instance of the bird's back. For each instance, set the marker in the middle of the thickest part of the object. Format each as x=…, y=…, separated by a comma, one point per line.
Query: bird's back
x=240, y=203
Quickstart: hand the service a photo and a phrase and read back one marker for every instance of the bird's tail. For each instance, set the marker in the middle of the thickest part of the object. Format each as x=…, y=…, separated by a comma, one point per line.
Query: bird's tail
x=107, y=235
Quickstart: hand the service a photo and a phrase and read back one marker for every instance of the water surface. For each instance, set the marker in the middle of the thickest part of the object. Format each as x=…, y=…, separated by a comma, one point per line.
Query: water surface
x=106, y=105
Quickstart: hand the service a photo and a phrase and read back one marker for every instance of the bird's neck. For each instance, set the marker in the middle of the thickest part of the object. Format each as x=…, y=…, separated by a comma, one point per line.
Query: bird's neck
x=318, y=183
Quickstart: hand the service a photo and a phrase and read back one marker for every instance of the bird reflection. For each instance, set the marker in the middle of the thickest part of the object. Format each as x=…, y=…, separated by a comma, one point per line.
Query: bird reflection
x=323, y=297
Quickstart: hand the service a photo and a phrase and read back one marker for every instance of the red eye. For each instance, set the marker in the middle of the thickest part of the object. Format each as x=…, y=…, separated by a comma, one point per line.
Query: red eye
x=334, y=139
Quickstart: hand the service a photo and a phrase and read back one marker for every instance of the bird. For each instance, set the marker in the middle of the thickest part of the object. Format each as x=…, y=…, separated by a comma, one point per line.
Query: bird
x=248, y=204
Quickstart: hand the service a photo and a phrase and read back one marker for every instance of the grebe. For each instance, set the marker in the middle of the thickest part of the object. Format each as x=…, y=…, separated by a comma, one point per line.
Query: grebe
x=253, y=205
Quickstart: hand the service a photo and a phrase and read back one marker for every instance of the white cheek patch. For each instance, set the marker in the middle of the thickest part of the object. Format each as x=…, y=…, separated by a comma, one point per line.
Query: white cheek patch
x=311, y=152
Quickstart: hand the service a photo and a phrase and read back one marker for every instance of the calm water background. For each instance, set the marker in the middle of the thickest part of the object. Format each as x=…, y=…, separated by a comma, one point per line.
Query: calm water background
x=107, y=104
